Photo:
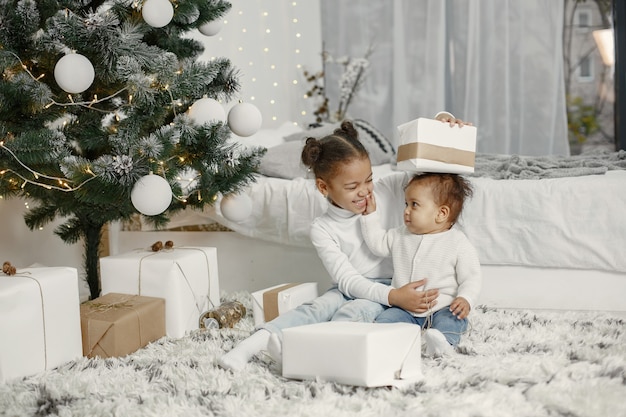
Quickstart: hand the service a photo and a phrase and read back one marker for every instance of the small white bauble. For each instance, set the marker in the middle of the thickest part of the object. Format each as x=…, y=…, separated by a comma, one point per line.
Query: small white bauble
x=74, y=73
x=211, y=28
x=157, y=13
x=244, y=119
x=236, y=207
x=151, y=195
x=207, y=110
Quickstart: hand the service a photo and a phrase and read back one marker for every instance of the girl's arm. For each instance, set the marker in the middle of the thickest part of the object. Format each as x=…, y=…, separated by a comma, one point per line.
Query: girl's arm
x=349, y=281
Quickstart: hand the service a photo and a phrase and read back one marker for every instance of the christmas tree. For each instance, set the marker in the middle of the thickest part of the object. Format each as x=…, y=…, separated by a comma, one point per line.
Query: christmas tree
x=104, y=107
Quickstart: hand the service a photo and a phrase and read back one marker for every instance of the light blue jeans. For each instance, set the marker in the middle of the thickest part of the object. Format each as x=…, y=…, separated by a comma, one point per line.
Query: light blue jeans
x=442, y=320
x=332, y=305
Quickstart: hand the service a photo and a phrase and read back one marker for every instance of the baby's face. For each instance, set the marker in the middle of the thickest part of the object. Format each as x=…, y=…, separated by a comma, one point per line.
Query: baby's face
x=420, y=211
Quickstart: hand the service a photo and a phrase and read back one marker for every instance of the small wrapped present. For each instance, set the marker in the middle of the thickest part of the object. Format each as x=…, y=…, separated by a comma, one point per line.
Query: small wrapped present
x=271, y=302
x=186, y=277
x=353, y=353
x=39, y=320
x=428, y=145
x=119, y=324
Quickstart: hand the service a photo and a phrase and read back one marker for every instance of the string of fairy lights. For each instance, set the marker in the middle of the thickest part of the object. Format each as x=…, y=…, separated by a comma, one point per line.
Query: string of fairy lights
x=271, y=43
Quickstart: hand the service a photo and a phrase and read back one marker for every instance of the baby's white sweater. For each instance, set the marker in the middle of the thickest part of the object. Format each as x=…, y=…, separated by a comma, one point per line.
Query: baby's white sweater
x=447, y=260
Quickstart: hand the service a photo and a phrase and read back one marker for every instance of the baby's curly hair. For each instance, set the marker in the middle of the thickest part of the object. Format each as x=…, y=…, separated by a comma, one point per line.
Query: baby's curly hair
x=448, y=189
x=325, y=156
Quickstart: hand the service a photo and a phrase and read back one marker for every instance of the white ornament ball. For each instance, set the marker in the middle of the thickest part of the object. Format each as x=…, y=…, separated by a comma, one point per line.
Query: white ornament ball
x=151, y=195
x=211, y=28
x=207, y=110
x=157, y=13
x=244, y=119
x=74, y=73
x=236, y=207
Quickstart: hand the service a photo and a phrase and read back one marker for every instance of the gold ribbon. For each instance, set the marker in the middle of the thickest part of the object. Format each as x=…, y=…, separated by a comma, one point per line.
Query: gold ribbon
x=435, y=153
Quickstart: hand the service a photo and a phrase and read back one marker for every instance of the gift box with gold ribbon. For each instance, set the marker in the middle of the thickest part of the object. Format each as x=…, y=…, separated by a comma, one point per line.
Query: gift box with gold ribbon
x=273, y=301
x=186, y=277
x=428, y=145
x=39, y=320
x=119, y=324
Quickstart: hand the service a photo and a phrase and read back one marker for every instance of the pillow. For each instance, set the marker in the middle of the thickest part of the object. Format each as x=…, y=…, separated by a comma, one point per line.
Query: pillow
x=283, y=161
x=378, y=146
x=380, y=149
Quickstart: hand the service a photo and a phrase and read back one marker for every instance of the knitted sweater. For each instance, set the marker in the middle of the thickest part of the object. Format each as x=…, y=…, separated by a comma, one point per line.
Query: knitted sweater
x=447, y=259
x=337, y=237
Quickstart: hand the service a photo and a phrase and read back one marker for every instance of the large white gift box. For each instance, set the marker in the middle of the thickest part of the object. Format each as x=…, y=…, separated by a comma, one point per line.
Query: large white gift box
x=428, y=145
x=39, y=320
x=186, y=277
x=271, y=302
x=353, y=353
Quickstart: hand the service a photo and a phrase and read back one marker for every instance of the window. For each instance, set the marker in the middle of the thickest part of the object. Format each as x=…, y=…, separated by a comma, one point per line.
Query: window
x=585, y=69
x=583, y=20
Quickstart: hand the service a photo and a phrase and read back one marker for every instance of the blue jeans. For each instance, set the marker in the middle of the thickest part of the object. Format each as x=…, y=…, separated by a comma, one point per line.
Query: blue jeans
x=332, y=305
x=442, y=320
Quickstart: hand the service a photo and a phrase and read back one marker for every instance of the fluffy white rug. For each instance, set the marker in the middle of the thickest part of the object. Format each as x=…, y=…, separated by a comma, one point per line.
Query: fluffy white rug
x=512, y=363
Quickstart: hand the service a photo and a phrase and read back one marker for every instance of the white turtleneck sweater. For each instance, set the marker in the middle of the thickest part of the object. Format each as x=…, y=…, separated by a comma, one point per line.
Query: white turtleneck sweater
x=447, y=259
x=339, y=242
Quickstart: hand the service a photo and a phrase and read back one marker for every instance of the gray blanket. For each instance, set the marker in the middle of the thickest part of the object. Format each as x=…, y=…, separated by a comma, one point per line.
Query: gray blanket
x=538, y=167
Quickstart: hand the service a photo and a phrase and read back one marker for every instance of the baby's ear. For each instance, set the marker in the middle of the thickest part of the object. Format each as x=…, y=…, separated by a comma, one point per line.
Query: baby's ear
x=443, y=214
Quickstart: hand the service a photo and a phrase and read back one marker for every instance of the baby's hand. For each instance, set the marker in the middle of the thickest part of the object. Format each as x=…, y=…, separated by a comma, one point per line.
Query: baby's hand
x=448, y=118
x=460, y=308
x=370, y=204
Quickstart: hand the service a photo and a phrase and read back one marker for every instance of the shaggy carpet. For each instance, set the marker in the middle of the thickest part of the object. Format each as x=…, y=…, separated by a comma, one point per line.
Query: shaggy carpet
x=511, y=363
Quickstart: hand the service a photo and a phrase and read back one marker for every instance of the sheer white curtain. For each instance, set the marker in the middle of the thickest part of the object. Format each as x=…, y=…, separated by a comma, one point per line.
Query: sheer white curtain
x=496, y=63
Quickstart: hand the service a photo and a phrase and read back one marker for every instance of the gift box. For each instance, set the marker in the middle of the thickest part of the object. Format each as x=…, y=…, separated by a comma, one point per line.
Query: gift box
x=119, y=324
x=271, y=302
x=39, y=320
x=428, y=145
x=186, y=277
x=353, y=353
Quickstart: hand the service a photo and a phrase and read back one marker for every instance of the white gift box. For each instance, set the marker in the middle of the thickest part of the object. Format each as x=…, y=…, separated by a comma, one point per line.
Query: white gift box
x=271, y=302
x=186, y=277
x=353, y=353
x=39, y=320
x=428, y=145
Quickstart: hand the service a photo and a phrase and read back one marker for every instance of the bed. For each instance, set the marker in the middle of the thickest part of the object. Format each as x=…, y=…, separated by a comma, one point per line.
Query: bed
x=549, y=231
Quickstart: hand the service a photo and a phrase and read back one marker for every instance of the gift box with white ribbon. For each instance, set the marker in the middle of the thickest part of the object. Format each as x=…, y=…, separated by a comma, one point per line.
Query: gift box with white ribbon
x=271, y=302
x=186, y=277
x=428, y=145
x=353, y=353
x=39, y=320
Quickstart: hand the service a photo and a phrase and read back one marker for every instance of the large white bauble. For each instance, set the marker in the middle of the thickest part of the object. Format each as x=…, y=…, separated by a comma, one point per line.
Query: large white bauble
x=244, y=119
x=207, y=110
x=236, y=207
x=157, y=13
x=211, y=28
x=151, y=195
x=74, y=73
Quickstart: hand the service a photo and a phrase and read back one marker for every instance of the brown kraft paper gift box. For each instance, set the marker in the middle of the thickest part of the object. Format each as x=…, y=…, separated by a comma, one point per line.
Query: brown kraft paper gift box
x=118, y=324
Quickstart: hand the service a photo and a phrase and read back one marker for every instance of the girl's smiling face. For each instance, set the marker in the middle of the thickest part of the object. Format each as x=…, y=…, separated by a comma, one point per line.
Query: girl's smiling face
x=349, y=186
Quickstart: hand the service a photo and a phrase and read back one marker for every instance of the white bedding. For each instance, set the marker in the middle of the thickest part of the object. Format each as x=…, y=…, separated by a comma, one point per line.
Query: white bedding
x=573, y=222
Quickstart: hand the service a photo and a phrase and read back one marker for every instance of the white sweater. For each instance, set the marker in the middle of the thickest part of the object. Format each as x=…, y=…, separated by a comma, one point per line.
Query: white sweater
x=448, y=259
x=338, y=240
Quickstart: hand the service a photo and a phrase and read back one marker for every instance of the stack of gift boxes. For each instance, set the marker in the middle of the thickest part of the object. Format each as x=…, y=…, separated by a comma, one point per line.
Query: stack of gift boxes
x=146, y=295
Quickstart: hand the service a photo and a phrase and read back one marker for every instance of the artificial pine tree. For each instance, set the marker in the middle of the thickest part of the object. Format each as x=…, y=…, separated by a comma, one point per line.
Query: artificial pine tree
x=78, y=154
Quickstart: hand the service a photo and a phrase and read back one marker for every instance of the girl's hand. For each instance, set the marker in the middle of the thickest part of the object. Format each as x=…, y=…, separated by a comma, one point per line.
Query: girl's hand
x=410, y=299
x=370, y=204
x=460, y=308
